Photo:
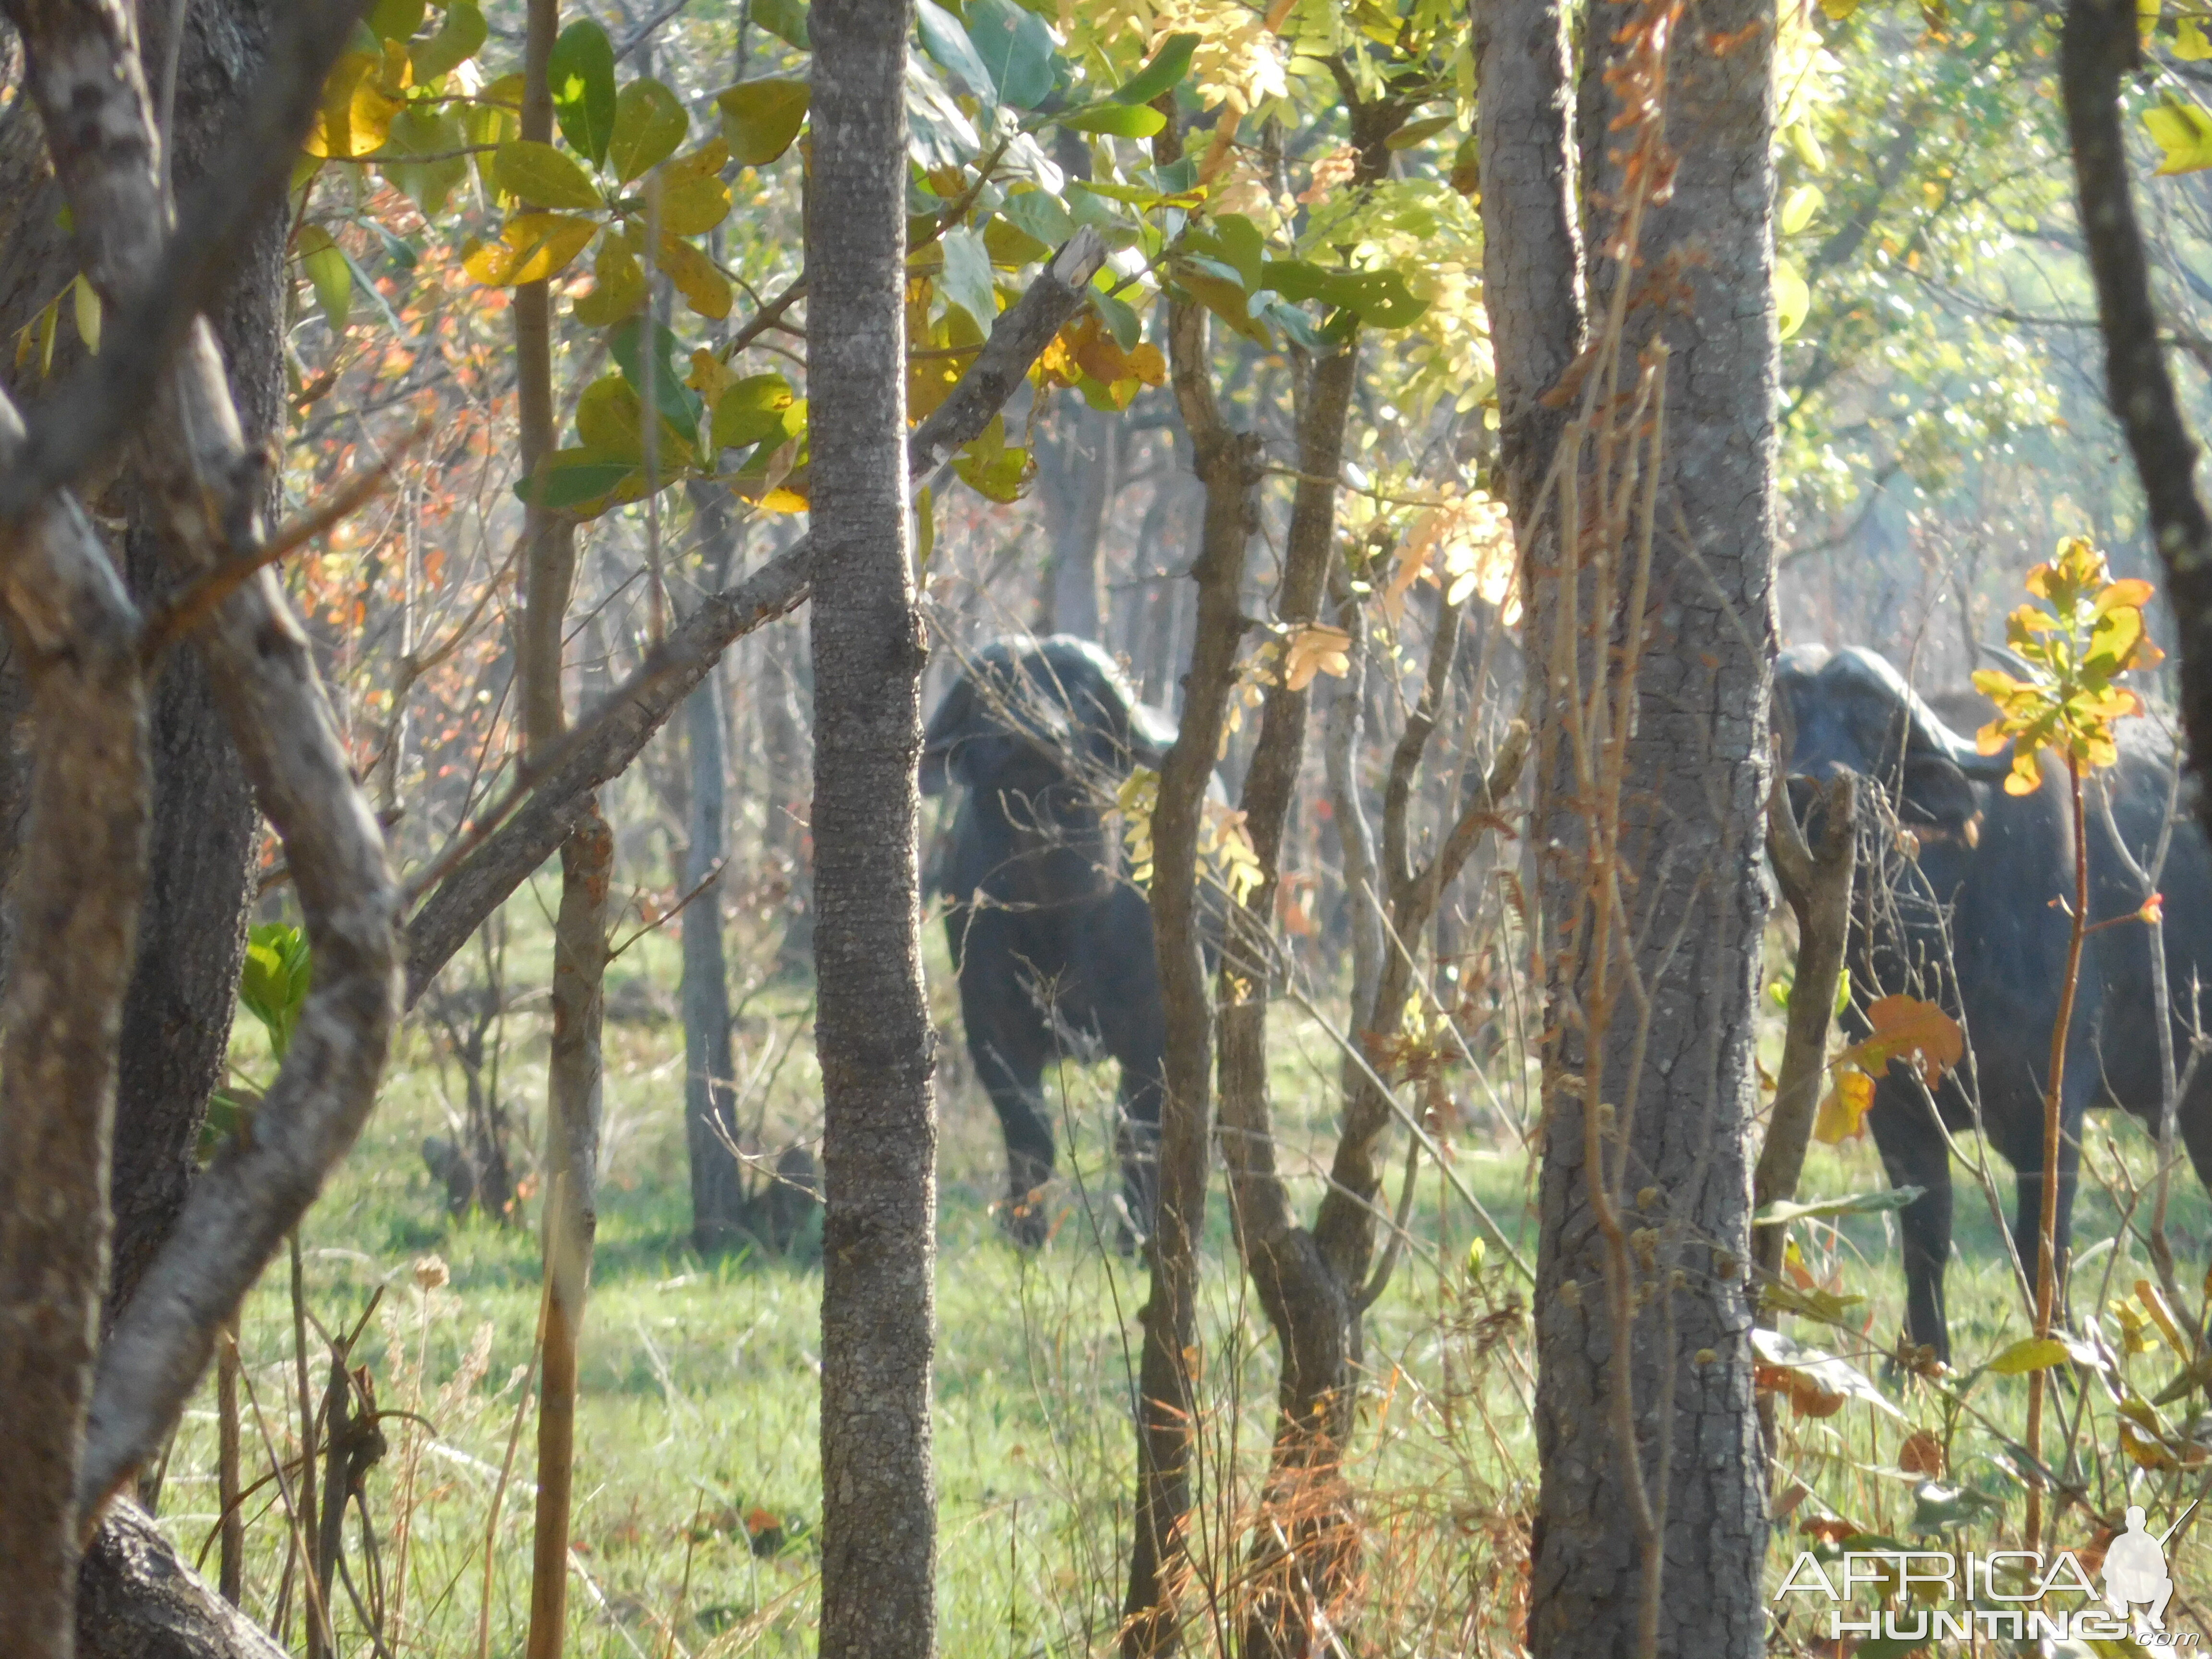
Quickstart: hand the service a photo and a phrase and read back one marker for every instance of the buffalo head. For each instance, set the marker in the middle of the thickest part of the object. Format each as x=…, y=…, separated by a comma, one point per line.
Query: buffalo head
x=1032, y=707
x=1852, y=712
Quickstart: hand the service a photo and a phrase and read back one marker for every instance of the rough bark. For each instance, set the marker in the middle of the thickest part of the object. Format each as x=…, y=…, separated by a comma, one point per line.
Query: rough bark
x=1309, y=1309
x=138, y=1598
x=1651, y=622
x=873, y=1028
x=1228, y=464
x=709, y=1064
x=2099, y=48
x=84, y=67
x=191, y=930
x=76, y=903
x=1075, y=484
x=617, y=731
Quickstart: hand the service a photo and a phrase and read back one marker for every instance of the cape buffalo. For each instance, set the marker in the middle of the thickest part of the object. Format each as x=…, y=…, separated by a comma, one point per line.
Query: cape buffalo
x=1964, y=901
x=1054, y=948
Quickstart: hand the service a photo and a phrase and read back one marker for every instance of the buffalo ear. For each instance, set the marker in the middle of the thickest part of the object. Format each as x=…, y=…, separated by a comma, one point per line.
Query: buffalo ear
x=952, y=723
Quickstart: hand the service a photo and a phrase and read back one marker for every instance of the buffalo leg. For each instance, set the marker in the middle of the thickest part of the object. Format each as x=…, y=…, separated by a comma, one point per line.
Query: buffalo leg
x=1013, y=1078
x=1915, y=1154
x=2027, y=1222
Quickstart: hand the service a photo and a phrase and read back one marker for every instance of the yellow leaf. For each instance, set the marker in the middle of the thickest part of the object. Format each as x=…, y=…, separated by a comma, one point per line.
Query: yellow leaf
x=2029, y=1354
x=533, y=247
x=1315, y=649
x=782, y=499
x=1793, y=300
x=704, y=288
x=2190, y=45
x=1906, y=1025
x=1843, y=1114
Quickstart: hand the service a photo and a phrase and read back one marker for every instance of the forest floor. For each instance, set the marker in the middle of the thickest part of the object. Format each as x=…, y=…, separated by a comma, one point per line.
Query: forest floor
x=697, y=1479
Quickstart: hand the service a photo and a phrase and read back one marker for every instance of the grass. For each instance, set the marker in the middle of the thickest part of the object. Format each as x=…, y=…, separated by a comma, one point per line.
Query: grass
x=698, y=1485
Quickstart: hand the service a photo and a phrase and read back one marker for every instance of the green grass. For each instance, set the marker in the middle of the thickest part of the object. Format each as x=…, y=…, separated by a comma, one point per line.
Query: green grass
x=698, y=1418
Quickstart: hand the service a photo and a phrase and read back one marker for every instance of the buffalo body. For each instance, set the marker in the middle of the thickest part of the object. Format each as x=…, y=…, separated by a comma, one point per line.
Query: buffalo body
x=1963, y=899
x=1053, y=946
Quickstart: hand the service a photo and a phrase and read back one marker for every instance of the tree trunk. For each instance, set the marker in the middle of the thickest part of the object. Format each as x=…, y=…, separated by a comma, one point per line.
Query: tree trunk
x=872, y=1028
x=1078, y=482
x=138, y=1598
x=573, y=1071
x=710, y=1067
x=1651, y=689
x=2101, y=47
x=1228, y=464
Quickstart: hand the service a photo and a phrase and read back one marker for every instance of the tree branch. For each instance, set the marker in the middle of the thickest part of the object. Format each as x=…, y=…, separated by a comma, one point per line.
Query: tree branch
x=606, y=742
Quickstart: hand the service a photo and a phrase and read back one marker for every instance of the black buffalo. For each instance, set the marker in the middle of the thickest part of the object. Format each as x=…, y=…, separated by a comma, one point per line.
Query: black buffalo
x=1964, y=900
x=1053, y=946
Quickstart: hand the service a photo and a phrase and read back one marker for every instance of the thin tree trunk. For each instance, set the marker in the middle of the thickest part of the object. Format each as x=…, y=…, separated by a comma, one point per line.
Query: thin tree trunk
x=1079, y=482
x=1227, y=462
x=872, y=1028
x=1651, y=689
x=574, y=1068
x=710, y=1127
x=2101, y=46
x=75, y=905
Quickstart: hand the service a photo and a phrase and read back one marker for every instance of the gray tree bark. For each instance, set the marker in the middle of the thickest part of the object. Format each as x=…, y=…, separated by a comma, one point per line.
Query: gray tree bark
x=191, y=928
x=872, y=1028
x=1652, y=1526
x=709, y=1064
x=1082, y=463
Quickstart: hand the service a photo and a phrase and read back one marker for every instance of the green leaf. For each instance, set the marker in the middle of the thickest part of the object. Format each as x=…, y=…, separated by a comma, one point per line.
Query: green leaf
x=679, y=403
x=754, y=411
x=1245, y=246
x=396, y=20
x=1016, y=50
x=761, y=118
x=997, y=475
x=1793, y=300
x=608, y=419
x=582, y=74
x=618, y=291
x=85, y=301
x=458, y=39
x=1011, y=247
x=581, y=482
x=649, y=124
x=1783, y=1213
x=1118, y=120
x=966, y=280
x=1799, y=207
x=1945, y=1509
x=2184, y=132
x=330, y=274
x=1119, y=316
x=1166, y=71
x=944, y=38
x=1378, y=298
x=786, y=19
x=274, y=982
x=1039, y=215
x=1826, y=1306
x=1834, y=1375
x=692, y=207
x=1414, y=132
x=2030, y=1354
x=543, y=176
x=424, y=129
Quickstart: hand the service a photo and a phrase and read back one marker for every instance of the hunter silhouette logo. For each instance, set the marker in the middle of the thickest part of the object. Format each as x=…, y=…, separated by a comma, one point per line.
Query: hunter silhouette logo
x=1933, y=1594
x=2135, y=1569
